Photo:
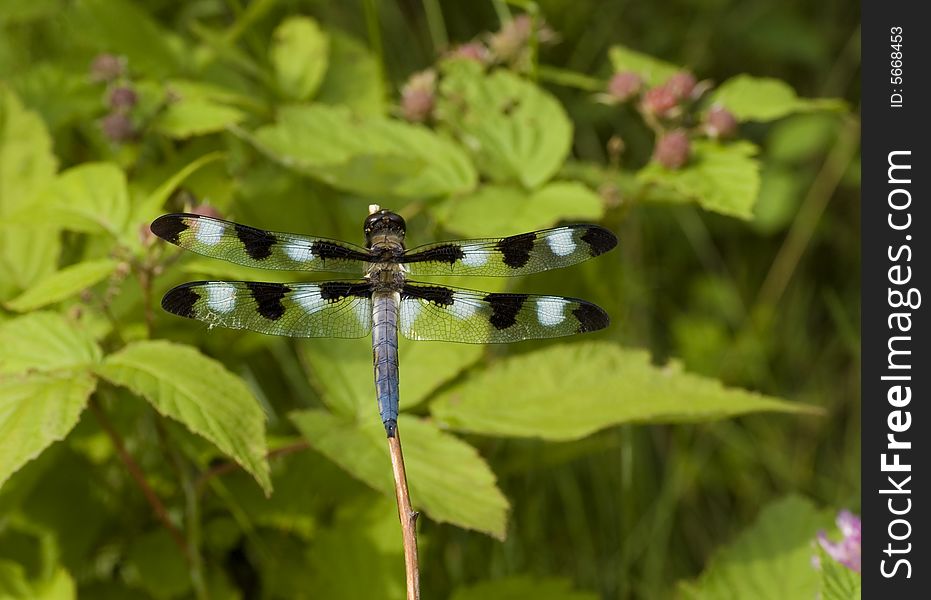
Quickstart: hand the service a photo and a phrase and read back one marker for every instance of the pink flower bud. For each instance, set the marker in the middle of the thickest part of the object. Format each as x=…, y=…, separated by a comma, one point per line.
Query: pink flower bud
x=106, y=67
x=122, y=98
x=118, y=127
x=659, y=101
x=471, y=51
x=207, y=210
x=720, y=123
x=681, y=85
x=672, y=149
x=624, y=85
x=418, y=96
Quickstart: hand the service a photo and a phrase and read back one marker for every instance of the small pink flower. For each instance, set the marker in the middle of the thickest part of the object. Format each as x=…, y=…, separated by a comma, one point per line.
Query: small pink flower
x=107, y=67
x=122, y=98
x=847, y=550
x=720, y=123
x=476, y=51
x=672, y=149
x=418, y=96
x=118, y=127
x=207, y=210
x=681, y=84
x=659, y=101
x=624, y=85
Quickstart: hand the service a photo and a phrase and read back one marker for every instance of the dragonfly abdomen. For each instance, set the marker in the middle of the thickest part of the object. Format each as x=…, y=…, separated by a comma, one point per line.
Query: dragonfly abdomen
x=385, y=356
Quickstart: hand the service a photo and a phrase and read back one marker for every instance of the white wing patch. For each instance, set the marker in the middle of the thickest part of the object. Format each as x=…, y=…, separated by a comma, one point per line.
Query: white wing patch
x=561, y=242
x=298, y=251
x=221, y=298
x=208, y=232
x=551, y=312
x=462, y=309
x=310, y=301
x=473, y=256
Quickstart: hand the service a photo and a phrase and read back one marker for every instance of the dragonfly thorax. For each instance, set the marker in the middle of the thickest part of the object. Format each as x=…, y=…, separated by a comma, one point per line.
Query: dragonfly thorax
x=386, y=225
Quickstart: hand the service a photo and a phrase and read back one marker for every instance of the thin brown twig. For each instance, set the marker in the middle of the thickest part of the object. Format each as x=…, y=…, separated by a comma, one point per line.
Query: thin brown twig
x=229, y=466
x=408, y=517
x=139, y=477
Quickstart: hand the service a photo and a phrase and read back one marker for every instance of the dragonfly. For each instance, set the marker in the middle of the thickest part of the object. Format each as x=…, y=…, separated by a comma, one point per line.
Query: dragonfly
x=382, y=301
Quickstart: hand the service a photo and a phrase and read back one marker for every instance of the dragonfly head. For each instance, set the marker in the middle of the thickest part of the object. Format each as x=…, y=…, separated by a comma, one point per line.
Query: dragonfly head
x=384, y=223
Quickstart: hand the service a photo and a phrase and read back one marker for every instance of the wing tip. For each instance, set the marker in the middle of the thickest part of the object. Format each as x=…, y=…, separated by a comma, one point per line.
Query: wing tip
x=169, y=227
x=180, y=300
x=591, y=317
x=599, y=239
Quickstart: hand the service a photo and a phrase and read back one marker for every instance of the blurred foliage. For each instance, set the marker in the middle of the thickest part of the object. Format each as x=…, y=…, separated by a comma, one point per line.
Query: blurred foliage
x=624, y=465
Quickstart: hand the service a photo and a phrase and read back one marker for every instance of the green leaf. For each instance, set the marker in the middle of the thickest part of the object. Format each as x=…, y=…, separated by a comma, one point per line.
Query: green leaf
x=13, y=581
x=568, y=391
x=354, y=78
x=37, y=410
x=45, y=341
x=152, y=205
x=837, y=581
x=502, y=210
x=29, y=250
x=367, y=155
x=299, y=55
x=23, y=10
x=185, y=385
x=155, y=564
x=447, y=477
x=191, y=117
x=721, y=178
x=764, y=99
x=521, y=587
x=515, y=130
x=653, y=70
x=771, y=559
x=342, y=371
x=125, y=28
x=90, y=198
x=63, y=284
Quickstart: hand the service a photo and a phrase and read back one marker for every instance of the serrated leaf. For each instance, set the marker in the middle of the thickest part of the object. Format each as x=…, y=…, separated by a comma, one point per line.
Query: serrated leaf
x=299, y=55
x=191, y=117
x=366, y=155
x=185, y=385
x=568, y=391
x=45, y=341
x=516, y=131
x=765, y=99
x=37, y=410
x=505, y=210
x=837, y=581
x=90, y=198
x=521, y=587
x=653, y=70
x=721, y=178
x=343, y=371
x=448, y=479
x=28, y=251
x=63, y=284
x=354, y=78
x=771, y=559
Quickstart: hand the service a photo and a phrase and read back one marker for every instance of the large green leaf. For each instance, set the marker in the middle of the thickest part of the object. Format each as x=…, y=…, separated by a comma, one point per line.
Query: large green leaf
x=343, y=371
x=504, y=210
x=765, y=99
x=367, y=155
x=521, y=587
x=516, y=131
x=770, y=560
x=568, y=391
x=90, y=198
x=837, y=581
x=185, y=385
x=354, y=78
x=63, y=284
x=189, y=117
x=45, y=341
x=653, y=70
x=447, y=477
x=14, y=585
x=28, y=250
x=37, y=410
x=724, y=178
x=299, y=55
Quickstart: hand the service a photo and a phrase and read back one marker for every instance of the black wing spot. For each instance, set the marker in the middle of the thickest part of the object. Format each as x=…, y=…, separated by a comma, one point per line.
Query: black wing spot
x=504, y=308
x=332, y=291
x=268, y=297
x=258, y=243
x=169, y=228
x=325, y=250
x=442, y=296
x=590, y=317
x=180, y=301
x=516, y=249
x=599, y=240
x=444, y=253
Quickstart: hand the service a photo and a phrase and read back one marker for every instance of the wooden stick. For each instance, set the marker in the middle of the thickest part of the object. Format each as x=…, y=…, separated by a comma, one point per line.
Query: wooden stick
x=408, y=517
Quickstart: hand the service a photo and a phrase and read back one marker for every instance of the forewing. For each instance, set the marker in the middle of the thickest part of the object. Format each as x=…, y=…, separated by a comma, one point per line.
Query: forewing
x=341, y=309
x=515, y=255
x=253, y=247
x=431, y=312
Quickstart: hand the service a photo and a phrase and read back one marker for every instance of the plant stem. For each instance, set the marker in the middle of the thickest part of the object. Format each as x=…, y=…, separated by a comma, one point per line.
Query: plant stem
x=370, y=8
x=139, y=477
x=436, y=25
x=408, y=517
